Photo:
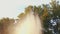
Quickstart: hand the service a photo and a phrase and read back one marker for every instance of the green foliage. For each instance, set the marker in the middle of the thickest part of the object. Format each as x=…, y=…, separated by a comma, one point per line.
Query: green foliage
x=21, y=15
x=28, y=9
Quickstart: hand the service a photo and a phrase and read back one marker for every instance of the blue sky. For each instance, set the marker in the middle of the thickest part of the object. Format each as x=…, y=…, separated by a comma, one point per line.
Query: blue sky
x=11, y=8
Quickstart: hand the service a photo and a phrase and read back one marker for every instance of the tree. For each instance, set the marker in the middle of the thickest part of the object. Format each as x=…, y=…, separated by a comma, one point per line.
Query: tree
x=21, y=15
x=28, y=9
x=46, y=12
x=4, y=24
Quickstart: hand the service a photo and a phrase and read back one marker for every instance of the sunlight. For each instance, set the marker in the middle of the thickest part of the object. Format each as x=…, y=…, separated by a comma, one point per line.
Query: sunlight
x=30, y=25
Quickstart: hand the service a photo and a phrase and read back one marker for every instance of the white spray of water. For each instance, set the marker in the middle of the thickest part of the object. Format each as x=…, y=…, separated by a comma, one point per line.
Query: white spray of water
x=30, y=25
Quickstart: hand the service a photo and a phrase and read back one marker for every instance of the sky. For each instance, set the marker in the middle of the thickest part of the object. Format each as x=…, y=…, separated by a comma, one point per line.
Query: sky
x=12, y=8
